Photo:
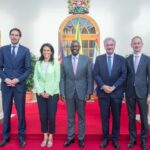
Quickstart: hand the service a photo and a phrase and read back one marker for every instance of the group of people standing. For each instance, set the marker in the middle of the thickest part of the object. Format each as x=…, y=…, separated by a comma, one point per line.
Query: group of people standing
x=72, y=81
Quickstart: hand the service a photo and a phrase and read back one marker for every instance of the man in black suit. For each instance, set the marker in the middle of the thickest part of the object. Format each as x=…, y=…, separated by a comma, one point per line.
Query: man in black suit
x=110, y=75
x=138, y=91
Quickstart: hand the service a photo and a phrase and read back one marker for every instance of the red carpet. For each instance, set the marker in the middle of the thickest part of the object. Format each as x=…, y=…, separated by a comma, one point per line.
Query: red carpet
x=93, y=129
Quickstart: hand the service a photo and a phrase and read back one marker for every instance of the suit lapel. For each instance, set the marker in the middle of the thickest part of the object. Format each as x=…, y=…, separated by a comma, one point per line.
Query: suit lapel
x=131, y=63
x=70, y=63
x=41, y=69
x=79, y=62
x=114, y=64
x=140, y=63
x=105, y=64
x=17, y=55
x=10, y=56
x=9, y=52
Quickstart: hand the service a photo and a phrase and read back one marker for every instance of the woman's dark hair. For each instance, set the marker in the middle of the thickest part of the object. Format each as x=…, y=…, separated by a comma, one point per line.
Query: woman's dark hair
x=51, y=49
x=15, y=29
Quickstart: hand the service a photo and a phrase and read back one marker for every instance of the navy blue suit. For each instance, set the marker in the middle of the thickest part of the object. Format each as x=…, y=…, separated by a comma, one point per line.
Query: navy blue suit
x=114, y=99
x=19, y=68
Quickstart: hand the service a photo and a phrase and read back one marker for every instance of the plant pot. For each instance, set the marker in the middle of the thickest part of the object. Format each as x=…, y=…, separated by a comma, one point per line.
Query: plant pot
x=29, y=96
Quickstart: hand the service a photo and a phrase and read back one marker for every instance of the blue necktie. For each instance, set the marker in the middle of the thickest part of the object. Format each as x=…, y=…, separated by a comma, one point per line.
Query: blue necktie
x=13, y=51
x=109, y=64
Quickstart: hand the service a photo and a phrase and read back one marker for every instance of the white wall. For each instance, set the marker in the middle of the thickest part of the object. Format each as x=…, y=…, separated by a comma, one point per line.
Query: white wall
x=39, y=21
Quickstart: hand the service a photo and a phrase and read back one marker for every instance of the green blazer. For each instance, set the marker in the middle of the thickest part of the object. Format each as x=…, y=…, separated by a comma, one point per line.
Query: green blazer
x=49, y=81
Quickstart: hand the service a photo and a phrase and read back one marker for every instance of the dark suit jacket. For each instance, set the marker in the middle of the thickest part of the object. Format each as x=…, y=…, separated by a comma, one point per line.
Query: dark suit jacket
x=82, y=81
x=140, y=80
x=117, y=78
x=19, y=68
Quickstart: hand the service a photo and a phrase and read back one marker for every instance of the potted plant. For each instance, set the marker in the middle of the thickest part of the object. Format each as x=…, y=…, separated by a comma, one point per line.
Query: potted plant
x=30, y=82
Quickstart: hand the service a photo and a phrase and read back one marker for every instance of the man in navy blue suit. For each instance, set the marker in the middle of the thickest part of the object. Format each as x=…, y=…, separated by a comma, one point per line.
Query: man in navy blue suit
x=15, y=67
x=110, y=74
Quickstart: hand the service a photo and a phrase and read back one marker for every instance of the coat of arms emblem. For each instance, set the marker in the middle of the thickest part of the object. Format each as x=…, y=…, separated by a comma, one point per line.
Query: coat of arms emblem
x=78, y=6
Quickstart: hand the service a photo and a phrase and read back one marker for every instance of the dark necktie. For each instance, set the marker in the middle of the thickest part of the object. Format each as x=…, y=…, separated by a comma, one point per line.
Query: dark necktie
x=13, y=51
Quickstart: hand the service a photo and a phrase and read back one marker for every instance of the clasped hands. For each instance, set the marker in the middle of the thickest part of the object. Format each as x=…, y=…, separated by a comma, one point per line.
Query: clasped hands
x=108, y=89
x=45, y=95
x=11, y=82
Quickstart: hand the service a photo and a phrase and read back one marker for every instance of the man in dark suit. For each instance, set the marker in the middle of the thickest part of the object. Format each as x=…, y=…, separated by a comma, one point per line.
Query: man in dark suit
x=76, y=86
x=15, y=67
x=110, y=75
x=138, y=91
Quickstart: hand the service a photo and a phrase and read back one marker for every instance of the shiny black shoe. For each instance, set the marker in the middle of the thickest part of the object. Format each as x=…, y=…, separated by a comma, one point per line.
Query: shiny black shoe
x=68, y=142
x=131, y=144
x=4, y=142
x=144, y=146
x=104, y=144
x=81, y=143
x=116, y=145
x=22, y=143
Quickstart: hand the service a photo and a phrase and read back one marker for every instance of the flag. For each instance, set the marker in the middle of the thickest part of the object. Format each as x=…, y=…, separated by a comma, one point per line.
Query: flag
x=96, y=53
x=96, y=50
x=61, y=49
x=78, y=36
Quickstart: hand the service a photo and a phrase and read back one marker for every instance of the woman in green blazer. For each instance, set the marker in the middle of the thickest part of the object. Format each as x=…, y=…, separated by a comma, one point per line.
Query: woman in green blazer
x=46, y=80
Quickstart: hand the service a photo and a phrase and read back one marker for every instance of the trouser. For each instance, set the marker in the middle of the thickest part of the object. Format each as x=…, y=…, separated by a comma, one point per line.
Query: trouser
x=47, y=111
x=76, y=105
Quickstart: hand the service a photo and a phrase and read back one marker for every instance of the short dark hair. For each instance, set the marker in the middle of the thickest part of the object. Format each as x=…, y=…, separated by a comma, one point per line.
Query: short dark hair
x=52, y=50
x=75, y=41
x=15, y=29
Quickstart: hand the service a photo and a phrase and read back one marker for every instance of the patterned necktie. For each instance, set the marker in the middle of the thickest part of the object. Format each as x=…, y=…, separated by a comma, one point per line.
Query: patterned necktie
x=109, y=64
x=74, y=63
x=13, y=51
x=136, y=63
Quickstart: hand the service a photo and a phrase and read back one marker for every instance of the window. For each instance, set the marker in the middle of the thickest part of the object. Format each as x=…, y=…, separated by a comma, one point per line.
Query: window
x=89, y=31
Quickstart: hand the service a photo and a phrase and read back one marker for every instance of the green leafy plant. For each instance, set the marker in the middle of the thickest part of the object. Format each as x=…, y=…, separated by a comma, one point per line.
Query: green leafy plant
x=30, y=82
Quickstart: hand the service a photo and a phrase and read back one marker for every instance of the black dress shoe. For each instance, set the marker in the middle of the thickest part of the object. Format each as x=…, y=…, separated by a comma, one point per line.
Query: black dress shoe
x=4, y=142
x=116, y=145
x=131, y=144
x=68, y=142
x=144, y=146
x=81, y=143
x=22, y=143
x=104, y=144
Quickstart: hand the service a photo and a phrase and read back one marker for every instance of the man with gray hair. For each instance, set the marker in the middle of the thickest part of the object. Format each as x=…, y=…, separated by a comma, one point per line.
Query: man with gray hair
x=110, y=75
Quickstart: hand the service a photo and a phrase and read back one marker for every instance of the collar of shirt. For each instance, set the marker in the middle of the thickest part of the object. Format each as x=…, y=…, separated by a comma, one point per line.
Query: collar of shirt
x=17, y=45
x=139, y=55
x=16, y=48
x=112, y=55
x=112, y=58
x=77, y=57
